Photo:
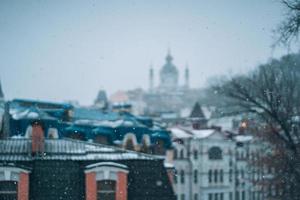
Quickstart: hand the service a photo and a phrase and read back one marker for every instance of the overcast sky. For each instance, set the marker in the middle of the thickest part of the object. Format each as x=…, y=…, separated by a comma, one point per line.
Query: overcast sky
x=68, y=50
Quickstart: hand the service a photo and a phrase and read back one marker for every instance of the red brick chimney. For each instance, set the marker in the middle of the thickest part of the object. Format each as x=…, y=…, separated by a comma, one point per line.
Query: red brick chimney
x=38, y=136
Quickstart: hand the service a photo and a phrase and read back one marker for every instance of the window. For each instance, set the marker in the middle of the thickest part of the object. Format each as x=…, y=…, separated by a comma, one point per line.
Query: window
x=230, y=196
x=221, y=175
x=181, y=176
x=216, y=196
x=182, y=197
x=195, y=154
x=175, y=154
x=106, y=190
x=237, y=195
x=8, y=190
x=145, y=148
x=210, y=196
x=159, y=147
x=14, y=183
x=210, y=176
x=230, y=175
x=216, y=176
x=195, y=176
x=175, y=177
x=196, y=196
x=243, y=195
x=129, y=145
x=215, y=153
x=221, y=196
x=181, y=154
x=52, y=133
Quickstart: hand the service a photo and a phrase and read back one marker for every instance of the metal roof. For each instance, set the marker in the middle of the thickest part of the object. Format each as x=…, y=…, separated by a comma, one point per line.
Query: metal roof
x=66, y=149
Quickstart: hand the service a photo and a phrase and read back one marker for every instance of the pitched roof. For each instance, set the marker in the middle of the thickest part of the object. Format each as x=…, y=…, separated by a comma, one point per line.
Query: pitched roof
x=197, y=112
x=66, y=149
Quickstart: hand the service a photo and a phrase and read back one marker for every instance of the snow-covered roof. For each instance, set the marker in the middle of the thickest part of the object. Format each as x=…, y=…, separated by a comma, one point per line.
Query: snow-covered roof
x=66, y=149
x=243, y=138
x=180, y=133
x=168, y=165
x=203, y=133
x=29, y=113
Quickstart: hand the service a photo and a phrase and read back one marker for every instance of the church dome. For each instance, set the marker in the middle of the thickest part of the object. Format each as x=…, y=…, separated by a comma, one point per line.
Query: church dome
x=169, y=67
x=169, y=74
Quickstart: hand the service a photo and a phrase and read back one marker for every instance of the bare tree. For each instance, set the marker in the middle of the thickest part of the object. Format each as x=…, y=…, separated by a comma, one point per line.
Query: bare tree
x=289, y=29
x=272, y=94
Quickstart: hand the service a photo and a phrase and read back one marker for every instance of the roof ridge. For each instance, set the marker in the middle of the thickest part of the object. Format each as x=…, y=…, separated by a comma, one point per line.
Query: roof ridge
x=110, y=146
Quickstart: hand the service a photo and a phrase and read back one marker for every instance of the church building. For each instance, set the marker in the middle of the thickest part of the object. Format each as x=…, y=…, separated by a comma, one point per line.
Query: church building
x=168, y=77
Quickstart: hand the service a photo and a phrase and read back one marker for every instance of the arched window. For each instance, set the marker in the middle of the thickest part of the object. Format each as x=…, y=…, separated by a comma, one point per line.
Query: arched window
x=159, y=147
x=129, y=144
x=210, y=176
x=106, y=181
x=52, y=133
x=216, y=176
x=195, y=176
x=28, y=132
x=215, y=153
x=145, y=144
x=181, y=176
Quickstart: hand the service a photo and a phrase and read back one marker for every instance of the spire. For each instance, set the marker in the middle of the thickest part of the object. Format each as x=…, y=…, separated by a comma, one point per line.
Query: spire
x=197, y=111
x=187, y=76
x=1, y=91
x=151, y=78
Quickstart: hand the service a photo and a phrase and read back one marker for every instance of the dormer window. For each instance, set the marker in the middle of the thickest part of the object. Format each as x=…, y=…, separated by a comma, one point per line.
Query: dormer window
x=106, y=181
x=159, y=148
x=14, y=183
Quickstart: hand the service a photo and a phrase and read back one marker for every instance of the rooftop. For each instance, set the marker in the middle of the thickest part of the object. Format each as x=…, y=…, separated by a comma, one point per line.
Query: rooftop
x=66, y=149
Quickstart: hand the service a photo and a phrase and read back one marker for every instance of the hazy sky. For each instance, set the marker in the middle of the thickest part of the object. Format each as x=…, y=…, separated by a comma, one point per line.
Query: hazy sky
x=68, y=50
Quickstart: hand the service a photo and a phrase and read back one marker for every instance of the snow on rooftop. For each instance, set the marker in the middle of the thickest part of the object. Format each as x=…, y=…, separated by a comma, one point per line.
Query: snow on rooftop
x=179, y=133
x=168, y=165
x=188, y=133
x=202, y=133
x=244, y=138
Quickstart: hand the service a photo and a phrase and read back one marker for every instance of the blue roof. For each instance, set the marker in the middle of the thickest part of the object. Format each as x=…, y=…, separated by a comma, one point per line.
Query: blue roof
x=87, y=122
